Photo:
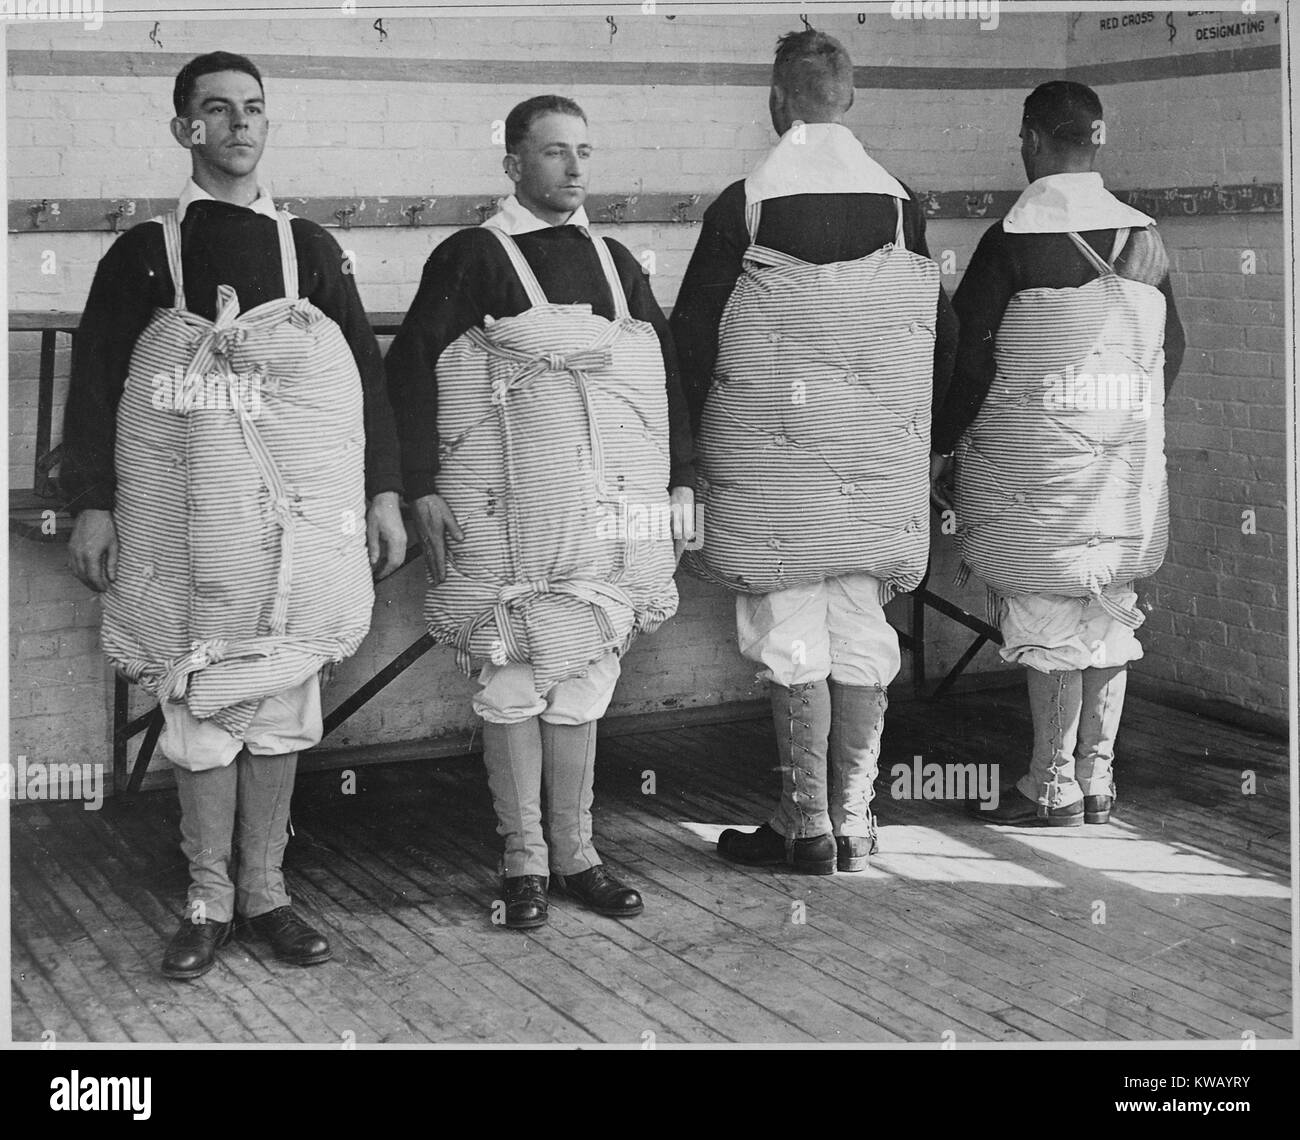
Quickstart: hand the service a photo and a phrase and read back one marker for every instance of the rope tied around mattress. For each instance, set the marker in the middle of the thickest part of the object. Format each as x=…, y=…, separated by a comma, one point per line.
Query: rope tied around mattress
x=224, y=333
x=601, y=596
x=176, y=677
x=171, y=682
x=579, y=364
x=1130, y=616
x=226, y=340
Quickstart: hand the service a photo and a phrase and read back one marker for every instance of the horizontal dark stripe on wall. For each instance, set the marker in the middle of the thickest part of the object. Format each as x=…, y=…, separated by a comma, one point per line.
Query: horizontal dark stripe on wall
x=83, y=215
x=637, y=73
x=1223, y=61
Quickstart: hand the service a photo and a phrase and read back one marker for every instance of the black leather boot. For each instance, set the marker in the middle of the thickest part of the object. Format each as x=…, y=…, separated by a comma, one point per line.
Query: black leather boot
x=526, y=902
x=1018, y=810
x=600, y=891
x=767, y=847
x=1096, y=809
x=192, y=952
x=853, y=852
x=292, y=939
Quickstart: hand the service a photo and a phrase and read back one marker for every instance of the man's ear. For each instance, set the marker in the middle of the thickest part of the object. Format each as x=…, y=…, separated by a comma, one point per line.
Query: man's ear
x=510, y=164
x=183, y=132
x=1035, y=139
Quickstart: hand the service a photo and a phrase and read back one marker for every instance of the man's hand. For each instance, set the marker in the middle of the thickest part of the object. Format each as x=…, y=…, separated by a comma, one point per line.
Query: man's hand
x=92, y=550
x=941, y=471
x=681, y=502
x=385, y=534
x=434, y=522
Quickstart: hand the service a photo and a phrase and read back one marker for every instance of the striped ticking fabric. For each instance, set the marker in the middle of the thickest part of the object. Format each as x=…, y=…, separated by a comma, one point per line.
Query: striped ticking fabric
x=553, y=431
x=1061, y=484
x=814, y=444
x=240, y=506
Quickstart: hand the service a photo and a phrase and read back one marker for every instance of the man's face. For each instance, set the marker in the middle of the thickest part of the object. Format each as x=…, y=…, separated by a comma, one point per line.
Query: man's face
x=550, y=169
x=225, y=124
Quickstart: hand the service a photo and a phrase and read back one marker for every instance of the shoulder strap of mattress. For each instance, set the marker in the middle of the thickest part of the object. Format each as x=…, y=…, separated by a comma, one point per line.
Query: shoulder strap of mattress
x=524, y=271
x=172, y=240
x=1121, y=240
x=611, y=276
x=288, y=254
x=1099, y=263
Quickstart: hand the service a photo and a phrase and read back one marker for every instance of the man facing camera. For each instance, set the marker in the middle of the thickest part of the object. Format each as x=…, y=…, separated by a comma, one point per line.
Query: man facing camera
x=542, y=425
x=226, y=423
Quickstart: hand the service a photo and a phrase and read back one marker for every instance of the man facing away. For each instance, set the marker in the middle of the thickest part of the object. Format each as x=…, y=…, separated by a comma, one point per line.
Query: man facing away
x=226, y=422
x=814, y=336
x=537, y=392
x=1069, y=342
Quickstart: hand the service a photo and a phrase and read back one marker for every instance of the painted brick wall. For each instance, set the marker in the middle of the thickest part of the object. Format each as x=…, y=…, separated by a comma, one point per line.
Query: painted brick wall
x=83, y=136
x=1219, y=630
x=1219, y=626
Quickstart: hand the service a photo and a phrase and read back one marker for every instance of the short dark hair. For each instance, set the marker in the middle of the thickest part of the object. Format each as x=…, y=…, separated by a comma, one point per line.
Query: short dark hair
x=814, y=68
x=202, y=65
x=1065, y=112
x=520, y=119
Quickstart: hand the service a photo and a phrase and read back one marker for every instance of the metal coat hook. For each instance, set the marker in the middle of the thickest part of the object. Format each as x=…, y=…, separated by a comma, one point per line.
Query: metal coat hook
x=613, y=28
x=485, y=210
x=344, y=216
x=680, y=209
x=378, y=25
x=616, y=211
x=38, y=209
x=153, y=36
x=125, y=208
x=414, y=210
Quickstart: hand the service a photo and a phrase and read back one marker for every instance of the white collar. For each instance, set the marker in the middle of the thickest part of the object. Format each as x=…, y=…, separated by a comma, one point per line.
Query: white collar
x=819, y=158
x=193, y=192
x=515, y=218
x=1070, y=203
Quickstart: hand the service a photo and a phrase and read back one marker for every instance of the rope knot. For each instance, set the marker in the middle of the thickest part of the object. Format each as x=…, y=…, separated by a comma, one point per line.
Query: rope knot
x=302, y=314
x=556, y=362
x=209, y=652
x=282, y=510
x=224, y=341
x=175, y=679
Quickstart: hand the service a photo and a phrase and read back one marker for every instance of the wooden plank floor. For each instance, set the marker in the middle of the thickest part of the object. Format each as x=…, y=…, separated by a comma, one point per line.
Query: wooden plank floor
x=1171, y=923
